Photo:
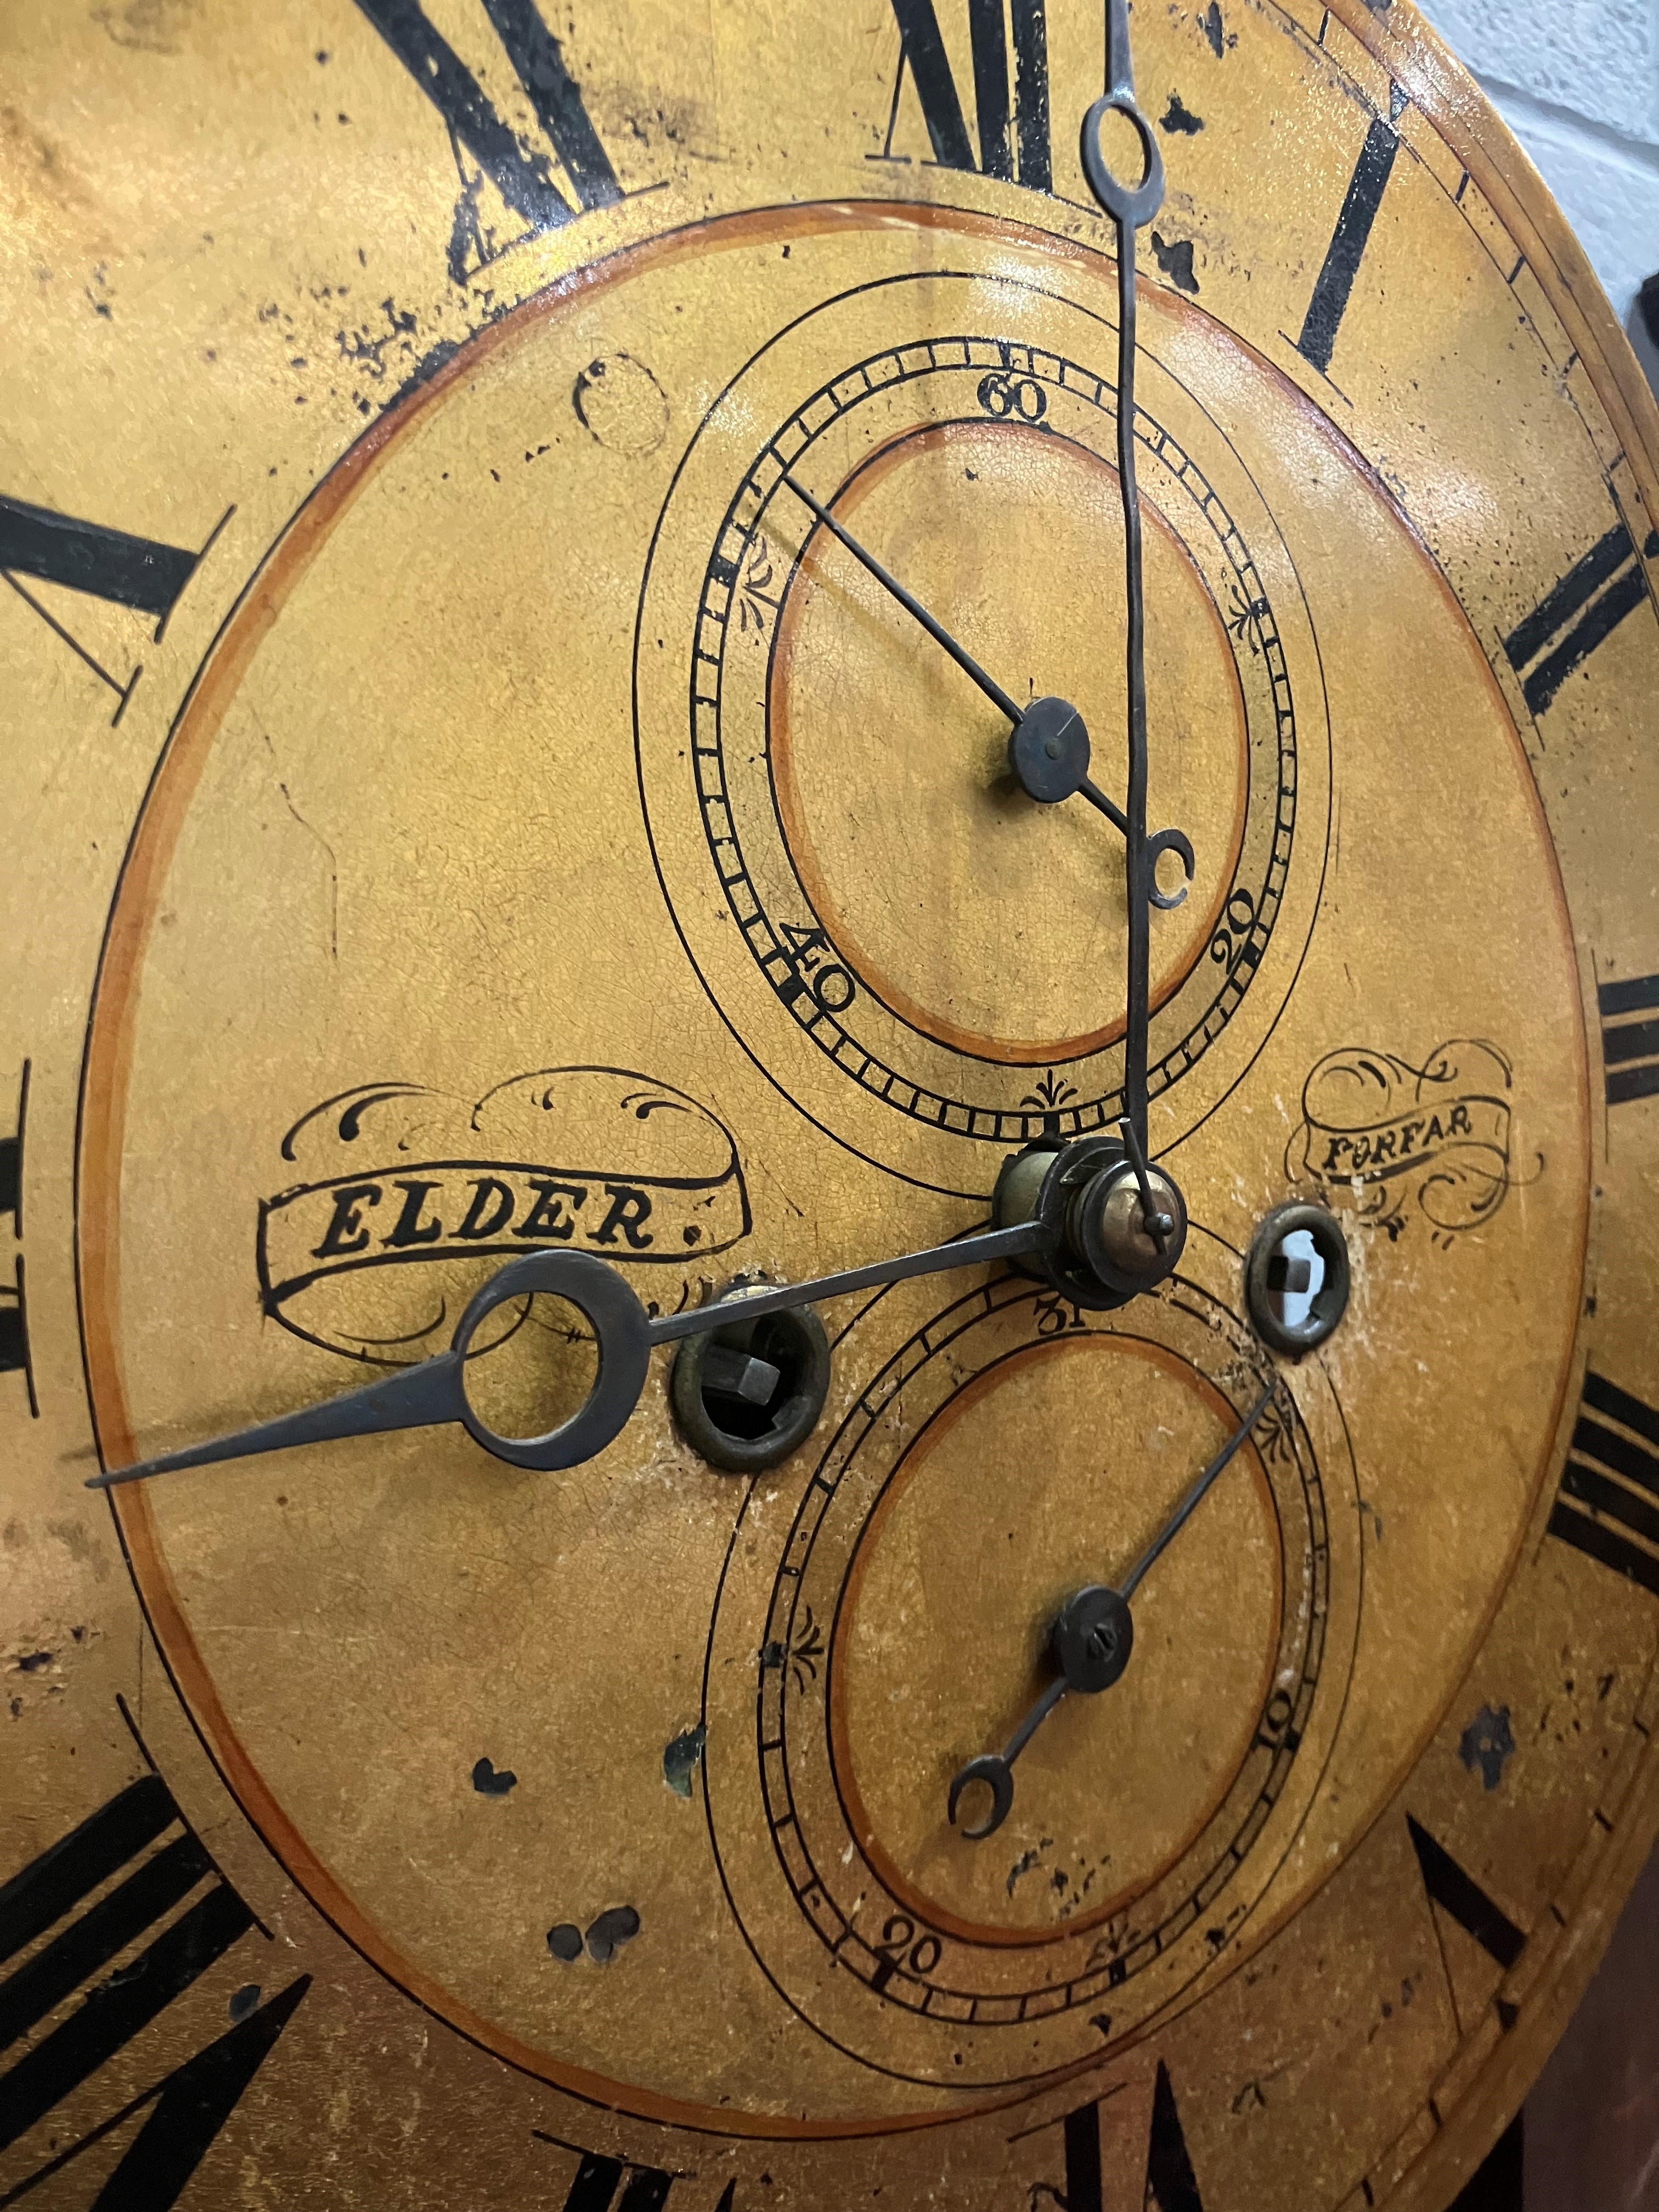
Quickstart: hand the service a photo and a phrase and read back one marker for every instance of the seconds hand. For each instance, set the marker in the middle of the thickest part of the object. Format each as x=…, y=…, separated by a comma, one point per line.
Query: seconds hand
x=1069, y=738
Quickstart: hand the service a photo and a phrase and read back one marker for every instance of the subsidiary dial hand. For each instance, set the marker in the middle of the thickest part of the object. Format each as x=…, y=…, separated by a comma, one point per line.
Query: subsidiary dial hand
x=1092, y=1639
x=1049, y=747
x=912, y=606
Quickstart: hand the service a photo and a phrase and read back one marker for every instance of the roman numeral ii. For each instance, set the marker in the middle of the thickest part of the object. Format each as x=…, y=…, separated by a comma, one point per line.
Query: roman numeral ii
x=1576, y=614
x=1607, y=1506
x=1630, y=1038
x=599, y=2187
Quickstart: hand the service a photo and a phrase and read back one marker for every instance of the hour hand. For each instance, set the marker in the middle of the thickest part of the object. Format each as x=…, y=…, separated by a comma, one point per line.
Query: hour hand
x=625, y=1334
x=435, y=1392
x=413, y=1399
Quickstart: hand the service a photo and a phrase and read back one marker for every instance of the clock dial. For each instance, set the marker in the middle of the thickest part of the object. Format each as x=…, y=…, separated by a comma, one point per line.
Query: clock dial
x=475, y=800
x=980, y=462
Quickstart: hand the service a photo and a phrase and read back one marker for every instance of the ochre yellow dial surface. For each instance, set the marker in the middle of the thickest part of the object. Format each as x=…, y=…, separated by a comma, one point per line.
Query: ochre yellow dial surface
x=469, y=799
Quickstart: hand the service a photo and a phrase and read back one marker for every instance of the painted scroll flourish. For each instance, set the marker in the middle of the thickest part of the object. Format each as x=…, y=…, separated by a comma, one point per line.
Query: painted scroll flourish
x=1389, y=1136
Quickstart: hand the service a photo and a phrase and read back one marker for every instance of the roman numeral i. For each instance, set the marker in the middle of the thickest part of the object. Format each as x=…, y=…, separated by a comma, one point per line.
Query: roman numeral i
x=14, y=1311
x=115, y=1882
x=1334, y=286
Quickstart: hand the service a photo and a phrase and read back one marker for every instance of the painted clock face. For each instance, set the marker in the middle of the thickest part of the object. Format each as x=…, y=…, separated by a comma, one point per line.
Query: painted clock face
x=468, y=801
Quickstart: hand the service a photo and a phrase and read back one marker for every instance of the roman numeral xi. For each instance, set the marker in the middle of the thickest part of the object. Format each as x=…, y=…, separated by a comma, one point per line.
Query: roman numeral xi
x=117, y=1950
x=1011, y=113
x=1171, y=2186
x=140, y=573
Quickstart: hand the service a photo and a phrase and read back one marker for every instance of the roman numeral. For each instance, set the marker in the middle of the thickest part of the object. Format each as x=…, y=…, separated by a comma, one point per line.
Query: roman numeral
x=14, y=1311
x=116, y=1880
x=610, y=2185
x=1462, y=1897
x=140, y=573
x=1171, y=2183
x=1012, y=123
x=1608, y=1502
x=1335, y=283
x=595, y=2185
x=1630, y=1047
x=1575, y=615
x=522, y=176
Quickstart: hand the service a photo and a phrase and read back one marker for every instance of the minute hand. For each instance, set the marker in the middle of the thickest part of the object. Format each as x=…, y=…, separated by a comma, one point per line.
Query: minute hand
x=1131, y=207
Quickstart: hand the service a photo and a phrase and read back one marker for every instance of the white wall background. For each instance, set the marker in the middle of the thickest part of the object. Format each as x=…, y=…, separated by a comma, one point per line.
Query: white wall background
x=1578, y=82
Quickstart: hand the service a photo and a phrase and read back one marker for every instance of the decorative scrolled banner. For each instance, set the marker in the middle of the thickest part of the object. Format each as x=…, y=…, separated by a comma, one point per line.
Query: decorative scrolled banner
x=1380, y=1130
x=412, y=1195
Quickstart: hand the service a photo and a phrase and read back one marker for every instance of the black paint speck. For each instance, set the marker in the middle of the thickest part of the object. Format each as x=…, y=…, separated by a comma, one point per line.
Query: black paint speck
x=1487, y=1743
x=565, y=1942
x=610, y=1931
x=680, y=1758
x=772, y=1655
x=490, y=1783
x=1209, y=23
x=1176, y=262
x=1176, y=117
x=32, y=1662
x=1021, y=1865
x=244, y=2000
